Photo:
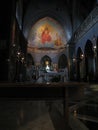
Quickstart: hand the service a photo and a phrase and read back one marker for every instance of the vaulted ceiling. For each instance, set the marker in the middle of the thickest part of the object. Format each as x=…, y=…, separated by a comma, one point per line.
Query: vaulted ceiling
x=85, y=6
x=69, y=13
x=80, y=8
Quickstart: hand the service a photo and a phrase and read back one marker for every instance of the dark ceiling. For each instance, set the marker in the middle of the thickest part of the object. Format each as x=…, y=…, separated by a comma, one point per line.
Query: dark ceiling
x=85, y=6
x=80, y=8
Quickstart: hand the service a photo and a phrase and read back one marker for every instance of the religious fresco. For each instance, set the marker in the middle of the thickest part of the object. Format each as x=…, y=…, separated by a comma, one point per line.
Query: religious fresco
x=46, y=33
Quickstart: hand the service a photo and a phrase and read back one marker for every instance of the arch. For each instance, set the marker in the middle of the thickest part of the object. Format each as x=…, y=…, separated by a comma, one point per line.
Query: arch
x=89, y=49
x=79, y=54
x=89, y=61
x=62, y=62
x=45, y=59
x=30, y=60
x=97, y=46
x=79, y=64
x=47, y=32
x=47, y=13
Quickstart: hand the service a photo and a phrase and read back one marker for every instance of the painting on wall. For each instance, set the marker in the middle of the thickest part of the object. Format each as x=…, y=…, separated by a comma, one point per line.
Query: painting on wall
x=46, y=33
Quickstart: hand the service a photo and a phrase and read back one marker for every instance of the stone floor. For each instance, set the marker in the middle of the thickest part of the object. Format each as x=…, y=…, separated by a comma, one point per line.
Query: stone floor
x=44, y=122
x=44, y=115
x=30, y=115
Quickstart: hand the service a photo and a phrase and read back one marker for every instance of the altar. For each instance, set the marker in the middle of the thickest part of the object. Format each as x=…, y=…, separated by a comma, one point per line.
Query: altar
x=42, y=75
x=49, y=75
x=55, y=74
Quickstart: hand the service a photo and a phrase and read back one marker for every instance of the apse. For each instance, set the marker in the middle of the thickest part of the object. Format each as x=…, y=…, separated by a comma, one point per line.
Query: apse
x=47, y=33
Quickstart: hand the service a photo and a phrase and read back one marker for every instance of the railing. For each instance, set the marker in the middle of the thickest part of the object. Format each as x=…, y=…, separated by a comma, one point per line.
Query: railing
x=88, y=118
x=87, y=24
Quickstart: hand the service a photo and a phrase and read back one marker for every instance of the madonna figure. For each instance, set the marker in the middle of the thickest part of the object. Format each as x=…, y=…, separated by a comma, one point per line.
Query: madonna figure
x=45, y=37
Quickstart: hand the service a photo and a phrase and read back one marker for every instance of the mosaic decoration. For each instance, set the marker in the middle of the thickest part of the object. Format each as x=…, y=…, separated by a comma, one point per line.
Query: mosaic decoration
x=46, y=33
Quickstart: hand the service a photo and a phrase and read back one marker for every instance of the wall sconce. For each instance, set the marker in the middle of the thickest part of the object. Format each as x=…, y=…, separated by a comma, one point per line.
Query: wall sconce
x=18, y=54
x=22, y=59
x=81, y=56
x=95, y=49
x=14, y=45
x=74, y=60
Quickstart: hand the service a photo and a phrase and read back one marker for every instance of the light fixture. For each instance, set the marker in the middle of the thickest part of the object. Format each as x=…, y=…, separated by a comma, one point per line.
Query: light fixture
x=47, y=68
x=81, y=56
x=47, y=65
x=47, y=62
x=74, y=59
x=94, y=47
x=14, y=45
x=22, y=59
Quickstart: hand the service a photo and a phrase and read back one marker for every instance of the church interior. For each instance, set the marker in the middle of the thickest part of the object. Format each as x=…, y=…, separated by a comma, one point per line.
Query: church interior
x=49, y=51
